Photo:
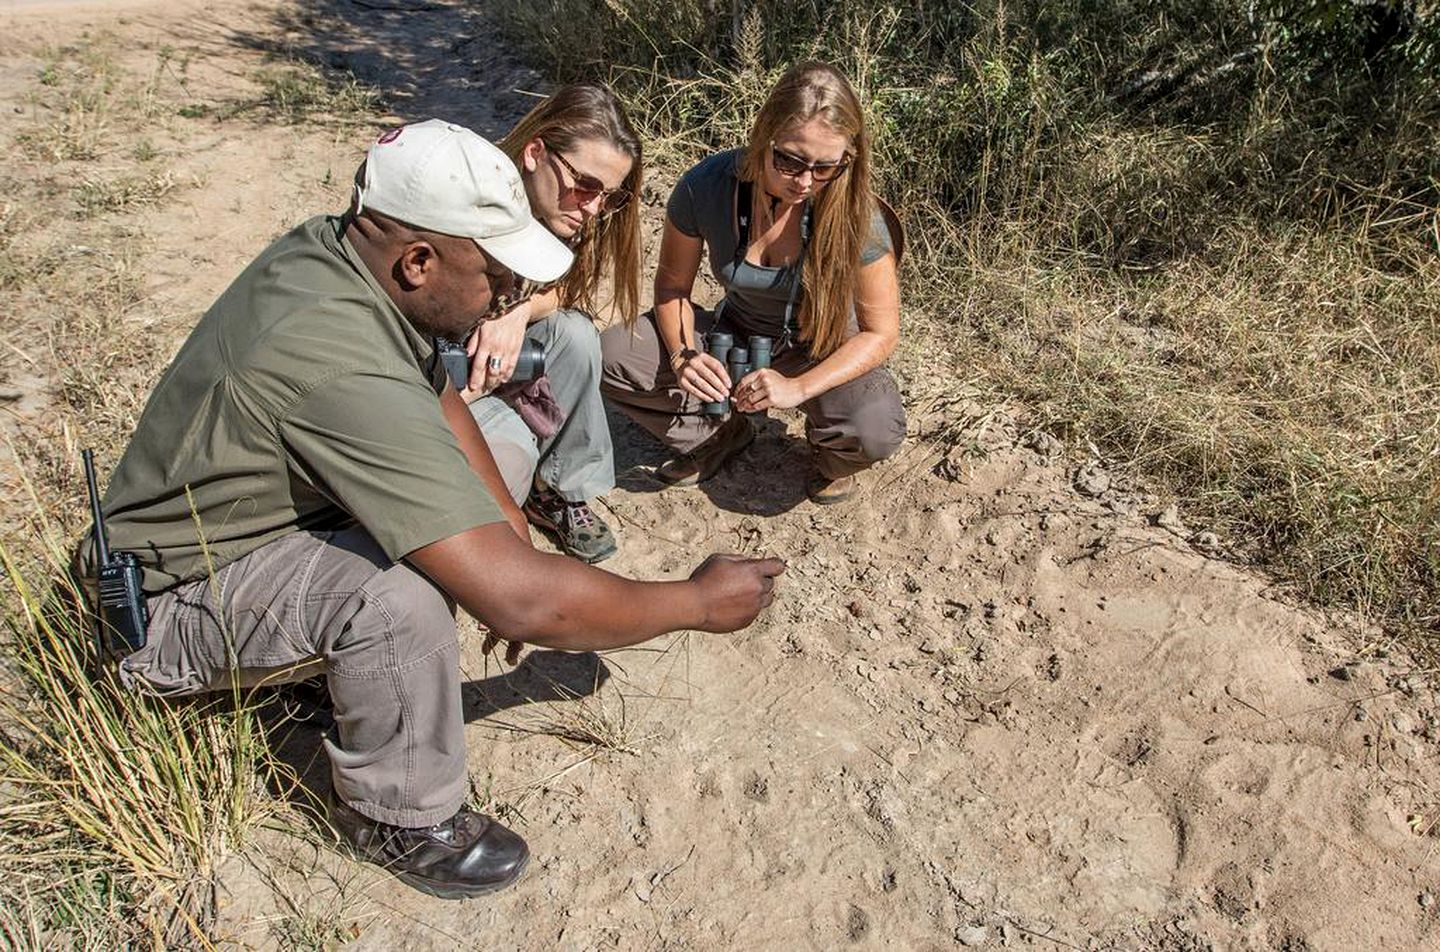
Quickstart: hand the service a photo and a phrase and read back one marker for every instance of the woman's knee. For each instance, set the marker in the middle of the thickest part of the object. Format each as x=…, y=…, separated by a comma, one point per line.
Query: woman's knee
x=880, y=434
x=630, y=355
x=868, y=416
x=575, y=329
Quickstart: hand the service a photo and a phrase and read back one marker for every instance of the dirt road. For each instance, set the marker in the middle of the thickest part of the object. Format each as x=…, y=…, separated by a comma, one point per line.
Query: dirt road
x=1000, y=702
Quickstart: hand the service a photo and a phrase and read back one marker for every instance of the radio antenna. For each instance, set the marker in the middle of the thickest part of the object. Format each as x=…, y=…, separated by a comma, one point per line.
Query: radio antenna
x=102, y=548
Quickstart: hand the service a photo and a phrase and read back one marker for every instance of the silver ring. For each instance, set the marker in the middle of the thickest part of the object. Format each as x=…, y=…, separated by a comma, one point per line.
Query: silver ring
x=493, y=363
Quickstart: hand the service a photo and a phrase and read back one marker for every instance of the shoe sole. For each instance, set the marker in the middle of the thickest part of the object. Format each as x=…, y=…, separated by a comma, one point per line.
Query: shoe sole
x=540, y=521
x=453, y=891
x=695, y=480
x=831, y=499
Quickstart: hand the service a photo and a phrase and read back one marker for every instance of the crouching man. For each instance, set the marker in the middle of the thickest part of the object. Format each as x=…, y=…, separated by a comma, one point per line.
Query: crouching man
x=306, y=492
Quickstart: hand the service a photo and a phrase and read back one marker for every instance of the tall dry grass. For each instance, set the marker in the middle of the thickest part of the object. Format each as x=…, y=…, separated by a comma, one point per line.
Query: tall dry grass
x=116, y=810
x=1201, y=239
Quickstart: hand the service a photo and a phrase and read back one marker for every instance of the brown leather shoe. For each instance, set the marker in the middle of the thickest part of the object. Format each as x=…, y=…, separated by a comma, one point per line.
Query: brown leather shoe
x=706, y=459
x=824, y=491
x=466, y=855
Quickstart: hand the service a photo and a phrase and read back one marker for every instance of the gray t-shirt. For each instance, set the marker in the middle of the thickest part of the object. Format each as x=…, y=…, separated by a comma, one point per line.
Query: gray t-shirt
x=703, y=206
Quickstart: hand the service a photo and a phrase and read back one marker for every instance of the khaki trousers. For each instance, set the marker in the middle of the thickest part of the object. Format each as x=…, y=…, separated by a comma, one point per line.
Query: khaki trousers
x=329, y=602
x=851, y=426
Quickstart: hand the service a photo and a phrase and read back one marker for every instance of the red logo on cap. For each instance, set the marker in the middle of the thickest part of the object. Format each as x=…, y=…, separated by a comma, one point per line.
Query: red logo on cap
x=390, y=136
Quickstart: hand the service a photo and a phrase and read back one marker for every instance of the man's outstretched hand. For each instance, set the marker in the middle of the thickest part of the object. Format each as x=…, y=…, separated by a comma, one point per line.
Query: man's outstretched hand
x=733, y=589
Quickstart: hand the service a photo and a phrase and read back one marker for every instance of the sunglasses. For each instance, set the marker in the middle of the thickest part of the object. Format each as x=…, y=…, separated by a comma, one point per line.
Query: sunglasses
x=586, y=187
x=792, y=166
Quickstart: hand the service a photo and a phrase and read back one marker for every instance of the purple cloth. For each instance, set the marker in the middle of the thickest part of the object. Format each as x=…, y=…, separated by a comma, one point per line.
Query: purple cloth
x=535, y=402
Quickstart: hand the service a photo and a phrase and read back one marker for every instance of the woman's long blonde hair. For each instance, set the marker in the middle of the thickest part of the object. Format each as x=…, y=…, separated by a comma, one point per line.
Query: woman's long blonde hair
x=841, y=216
x=579, y=113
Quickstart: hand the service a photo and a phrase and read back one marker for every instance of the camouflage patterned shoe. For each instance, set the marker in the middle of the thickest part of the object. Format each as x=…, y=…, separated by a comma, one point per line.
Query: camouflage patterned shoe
x=579, y=531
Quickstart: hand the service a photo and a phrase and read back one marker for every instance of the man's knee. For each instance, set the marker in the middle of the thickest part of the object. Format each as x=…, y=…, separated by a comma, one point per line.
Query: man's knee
x=408, y=610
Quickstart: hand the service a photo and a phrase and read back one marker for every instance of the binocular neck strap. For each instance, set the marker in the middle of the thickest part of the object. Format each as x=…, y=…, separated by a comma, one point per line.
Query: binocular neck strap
x=744, y=202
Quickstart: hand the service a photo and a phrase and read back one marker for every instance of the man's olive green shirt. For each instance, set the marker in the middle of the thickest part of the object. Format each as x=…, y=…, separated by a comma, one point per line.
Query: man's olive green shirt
x=302, y=400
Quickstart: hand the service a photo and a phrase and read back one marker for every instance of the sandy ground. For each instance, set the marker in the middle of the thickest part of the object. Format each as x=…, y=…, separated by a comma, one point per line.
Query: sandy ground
x=998, y=702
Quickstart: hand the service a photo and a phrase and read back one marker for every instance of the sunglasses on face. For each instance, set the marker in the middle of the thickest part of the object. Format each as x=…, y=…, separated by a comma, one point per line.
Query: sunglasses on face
x=792, y=166
x=587, y=187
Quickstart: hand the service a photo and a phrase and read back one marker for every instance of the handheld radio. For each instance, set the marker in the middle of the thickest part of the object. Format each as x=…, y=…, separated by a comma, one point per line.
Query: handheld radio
x=122, y=616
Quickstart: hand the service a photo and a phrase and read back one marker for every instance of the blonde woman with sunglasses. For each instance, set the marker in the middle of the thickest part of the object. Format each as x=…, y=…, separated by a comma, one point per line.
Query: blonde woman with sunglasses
x=581, y=164
x=801, y=247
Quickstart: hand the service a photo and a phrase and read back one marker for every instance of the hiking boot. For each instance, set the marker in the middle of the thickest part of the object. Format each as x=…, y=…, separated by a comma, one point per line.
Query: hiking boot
x=466, y=855
x=824, y=491
x=576, y=527
x=706, y=459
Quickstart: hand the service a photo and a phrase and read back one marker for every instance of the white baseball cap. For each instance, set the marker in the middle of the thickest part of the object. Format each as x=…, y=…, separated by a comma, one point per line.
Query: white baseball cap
x=443, y=177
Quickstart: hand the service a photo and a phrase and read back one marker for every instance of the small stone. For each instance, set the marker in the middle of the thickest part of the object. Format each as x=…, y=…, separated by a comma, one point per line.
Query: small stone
x=1044, y=444
x=1426, y=899
x=1345, y=672
x=1122, y=507
x=1092, y=480
x=972, y=935
x=1402, y=722
x=1207, y=542
x=1169, y=518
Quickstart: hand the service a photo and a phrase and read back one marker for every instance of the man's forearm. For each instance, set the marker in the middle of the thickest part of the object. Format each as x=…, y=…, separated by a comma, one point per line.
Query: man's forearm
x=551, y=600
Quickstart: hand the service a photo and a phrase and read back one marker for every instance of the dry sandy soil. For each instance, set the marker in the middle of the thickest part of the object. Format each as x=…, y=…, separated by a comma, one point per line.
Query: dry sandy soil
x=999, y=701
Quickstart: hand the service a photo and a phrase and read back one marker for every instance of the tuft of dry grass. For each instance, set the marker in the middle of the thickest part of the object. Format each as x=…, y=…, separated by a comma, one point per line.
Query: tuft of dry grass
x=99, y=196
x=115, y=809
x=594, y=723
x=297, y=91
x=103, y=789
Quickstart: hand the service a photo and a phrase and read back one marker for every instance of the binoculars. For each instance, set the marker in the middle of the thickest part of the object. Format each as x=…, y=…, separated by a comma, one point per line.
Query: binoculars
x=529, y=365
x=738, y=362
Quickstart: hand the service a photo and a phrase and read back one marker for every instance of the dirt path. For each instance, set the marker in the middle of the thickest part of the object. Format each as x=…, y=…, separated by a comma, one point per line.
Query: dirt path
x=989, y=708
